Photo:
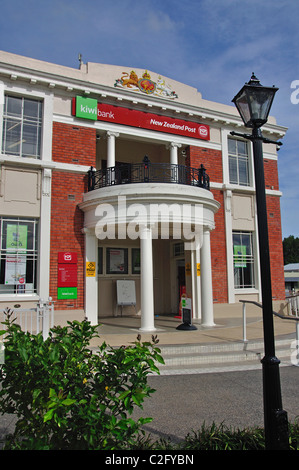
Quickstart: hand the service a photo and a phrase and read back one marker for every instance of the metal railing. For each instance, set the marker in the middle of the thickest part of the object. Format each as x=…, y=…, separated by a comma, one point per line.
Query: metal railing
x=293, y=317
x=293, y=304
x=34, y=320
x=148, y=172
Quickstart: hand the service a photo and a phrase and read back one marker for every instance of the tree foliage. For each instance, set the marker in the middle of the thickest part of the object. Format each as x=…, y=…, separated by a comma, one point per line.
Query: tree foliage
x=66, y=396
x=290, y=250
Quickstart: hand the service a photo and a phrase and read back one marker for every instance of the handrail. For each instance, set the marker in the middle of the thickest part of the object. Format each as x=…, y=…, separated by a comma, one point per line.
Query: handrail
x=283, y=317
x=293, y=303
x=148, y=172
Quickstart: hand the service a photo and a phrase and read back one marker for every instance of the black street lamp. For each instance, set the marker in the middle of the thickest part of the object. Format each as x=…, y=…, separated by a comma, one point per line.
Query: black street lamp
x=253, y=103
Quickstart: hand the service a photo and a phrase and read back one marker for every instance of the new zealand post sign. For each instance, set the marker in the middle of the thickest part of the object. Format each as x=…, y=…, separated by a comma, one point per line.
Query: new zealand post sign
x=89, y=108
x=67, y=275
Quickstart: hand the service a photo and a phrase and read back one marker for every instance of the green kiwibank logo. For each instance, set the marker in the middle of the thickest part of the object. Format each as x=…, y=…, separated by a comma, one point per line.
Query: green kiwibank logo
x=86, y=108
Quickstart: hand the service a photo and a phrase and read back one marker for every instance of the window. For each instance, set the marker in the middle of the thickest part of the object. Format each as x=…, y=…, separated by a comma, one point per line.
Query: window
x=117, y=261
x=178, y=249
x=18, y=263
x=135, y=260
x=22, y=124
x=243, y=260
x=238, y=162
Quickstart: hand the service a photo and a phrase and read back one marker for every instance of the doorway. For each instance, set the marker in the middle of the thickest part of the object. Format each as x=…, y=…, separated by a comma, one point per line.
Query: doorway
x=181, y=279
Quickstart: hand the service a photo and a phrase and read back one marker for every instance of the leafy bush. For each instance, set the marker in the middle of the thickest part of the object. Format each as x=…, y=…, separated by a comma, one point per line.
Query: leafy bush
x=219, y=437
x=67, y=397
x=224, y=438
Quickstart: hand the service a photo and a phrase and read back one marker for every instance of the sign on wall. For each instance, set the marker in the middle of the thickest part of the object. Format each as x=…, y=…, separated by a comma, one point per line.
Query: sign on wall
x=88, y=108
x=67, y=275
x=66, y=293
x=198, y=269
x=90, y=268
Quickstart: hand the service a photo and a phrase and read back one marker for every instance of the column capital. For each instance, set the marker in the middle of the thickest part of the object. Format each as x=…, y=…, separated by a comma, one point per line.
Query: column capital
x=88, y=231
x=112, y=134
x=172, y=145
x=146, y=230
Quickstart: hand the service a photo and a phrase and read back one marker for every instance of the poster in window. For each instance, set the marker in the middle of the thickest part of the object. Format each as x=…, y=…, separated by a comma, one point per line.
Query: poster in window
x=15, y=270
x=16, y=237
x=240, y=256
x=117, y=261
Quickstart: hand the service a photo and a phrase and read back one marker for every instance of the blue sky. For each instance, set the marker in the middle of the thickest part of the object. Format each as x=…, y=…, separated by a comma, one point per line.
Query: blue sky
x=213, y=45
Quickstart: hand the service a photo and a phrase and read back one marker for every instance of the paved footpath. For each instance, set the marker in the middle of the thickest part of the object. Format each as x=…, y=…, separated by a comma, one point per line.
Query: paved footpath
x=185, y=402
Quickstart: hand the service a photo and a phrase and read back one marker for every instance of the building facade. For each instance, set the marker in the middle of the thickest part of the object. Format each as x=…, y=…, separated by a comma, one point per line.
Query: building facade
x=111, y=175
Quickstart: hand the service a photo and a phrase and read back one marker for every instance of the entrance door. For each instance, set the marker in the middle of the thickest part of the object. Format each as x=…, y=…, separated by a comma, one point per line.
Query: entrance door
x=181, y=278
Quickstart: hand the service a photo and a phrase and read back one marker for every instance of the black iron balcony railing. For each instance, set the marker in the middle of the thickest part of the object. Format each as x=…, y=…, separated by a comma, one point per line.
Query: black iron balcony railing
x=147, y=172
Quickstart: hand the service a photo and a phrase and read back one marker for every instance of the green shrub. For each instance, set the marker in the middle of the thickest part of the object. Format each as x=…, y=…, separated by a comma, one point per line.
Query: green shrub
x=221, y=437
x=224, y=438
x=65, y=396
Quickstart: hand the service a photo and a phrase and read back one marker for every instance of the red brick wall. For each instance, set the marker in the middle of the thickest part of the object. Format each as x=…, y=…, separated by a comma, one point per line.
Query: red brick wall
x=271, y=174
x=76, y=145
x=212, y=161
x=275, y=247
x=73, y=144
x=274, y=230
x=218, y=253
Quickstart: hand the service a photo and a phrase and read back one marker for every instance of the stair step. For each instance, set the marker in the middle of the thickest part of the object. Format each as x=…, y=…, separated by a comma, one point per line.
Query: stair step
x=192, y=356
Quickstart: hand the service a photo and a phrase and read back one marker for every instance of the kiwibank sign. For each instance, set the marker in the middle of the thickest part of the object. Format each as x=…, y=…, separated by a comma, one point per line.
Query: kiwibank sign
x=89, y=108
x=86, y=108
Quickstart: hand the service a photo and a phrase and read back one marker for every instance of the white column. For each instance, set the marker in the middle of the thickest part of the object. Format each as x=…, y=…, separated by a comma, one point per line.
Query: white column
x=174, y=153
x=206, y=281
x=91, y=282
x=147, y=281
x=44, y=233
x=111, y=148
x=196, y=285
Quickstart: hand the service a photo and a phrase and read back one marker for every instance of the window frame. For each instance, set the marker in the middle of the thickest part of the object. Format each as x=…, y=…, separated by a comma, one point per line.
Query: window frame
x=131, y=257
x=239, y=159
x=244, y=264
x=31, y=122
x=28, y=256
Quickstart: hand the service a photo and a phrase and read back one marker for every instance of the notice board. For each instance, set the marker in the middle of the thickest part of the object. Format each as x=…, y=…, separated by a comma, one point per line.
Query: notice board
x=126, y=293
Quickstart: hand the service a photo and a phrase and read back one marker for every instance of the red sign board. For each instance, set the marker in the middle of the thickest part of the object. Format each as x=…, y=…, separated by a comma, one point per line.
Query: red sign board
x=67, y=257
x=135, y=118
x=67, y=275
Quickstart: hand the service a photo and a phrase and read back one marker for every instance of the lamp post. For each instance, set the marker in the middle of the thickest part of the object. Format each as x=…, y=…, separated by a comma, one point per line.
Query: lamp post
x=253, y=103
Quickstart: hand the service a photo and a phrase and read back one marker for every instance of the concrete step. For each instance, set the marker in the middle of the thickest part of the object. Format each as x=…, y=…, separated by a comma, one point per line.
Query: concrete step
x=195, y=358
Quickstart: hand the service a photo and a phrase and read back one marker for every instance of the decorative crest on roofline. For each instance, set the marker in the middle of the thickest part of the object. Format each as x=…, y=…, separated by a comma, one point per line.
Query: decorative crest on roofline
x=145, y=84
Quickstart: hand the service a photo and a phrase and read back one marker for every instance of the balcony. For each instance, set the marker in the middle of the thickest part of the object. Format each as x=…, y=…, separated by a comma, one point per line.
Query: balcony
x=118, y=192
x=147, y=172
